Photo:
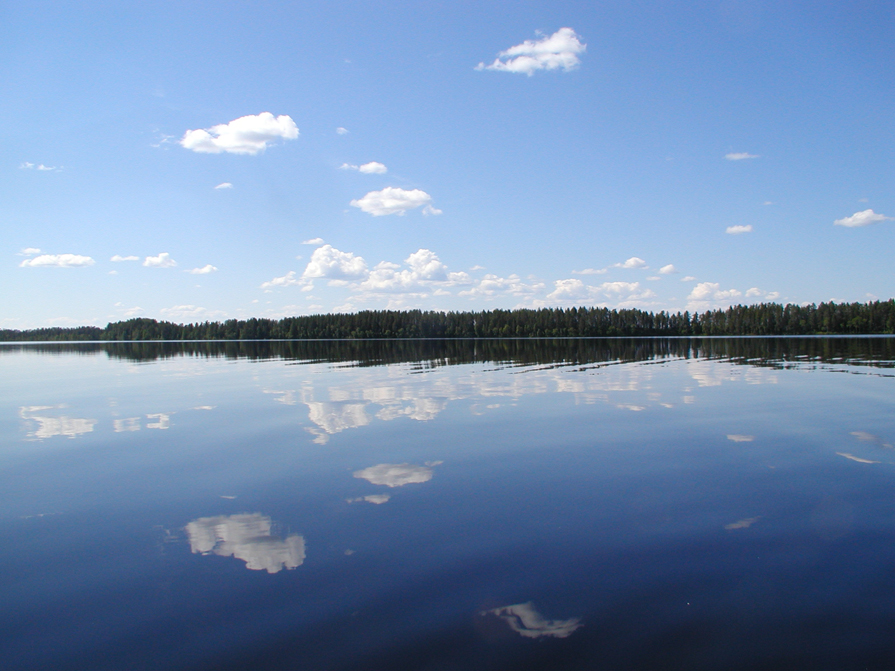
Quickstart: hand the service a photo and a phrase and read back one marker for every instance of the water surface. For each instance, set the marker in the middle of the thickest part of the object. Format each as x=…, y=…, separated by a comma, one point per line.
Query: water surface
x=616, y=504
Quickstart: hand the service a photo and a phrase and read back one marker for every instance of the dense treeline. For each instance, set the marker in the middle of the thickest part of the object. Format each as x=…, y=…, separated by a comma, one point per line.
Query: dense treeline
x=763, y=319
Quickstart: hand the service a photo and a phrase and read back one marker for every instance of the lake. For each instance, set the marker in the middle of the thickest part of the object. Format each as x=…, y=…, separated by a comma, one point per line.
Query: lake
x=512, y=504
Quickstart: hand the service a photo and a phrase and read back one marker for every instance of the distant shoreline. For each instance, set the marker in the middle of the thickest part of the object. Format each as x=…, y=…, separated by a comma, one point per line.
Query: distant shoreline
x=764, y=319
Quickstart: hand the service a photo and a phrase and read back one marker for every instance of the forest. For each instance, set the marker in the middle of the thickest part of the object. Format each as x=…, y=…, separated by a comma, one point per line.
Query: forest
x=764, y=319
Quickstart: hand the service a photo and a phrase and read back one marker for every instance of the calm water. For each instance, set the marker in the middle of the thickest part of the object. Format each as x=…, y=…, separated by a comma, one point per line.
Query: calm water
x=606, y=504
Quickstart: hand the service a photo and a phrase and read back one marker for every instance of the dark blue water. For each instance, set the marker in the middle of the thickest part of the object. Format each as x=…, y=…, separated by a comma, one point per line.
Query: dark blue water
x=626, y=504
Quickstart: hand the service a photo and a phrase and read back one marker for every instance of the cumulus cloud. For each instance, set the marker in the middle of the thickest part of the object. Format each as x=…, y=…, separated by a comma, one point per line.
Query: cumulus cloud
x=590, y=271
x=250, y=134
x=204, y=270
x=371, y=168
x=633, y=262
x=163, y=260
x=738, y=230
x=434, y=211
x=424, y=270
x=688, y=278
x=861, y=219
x=342, y=131
x=753, y=292
x=118, y=258
x=58, y=261
x=28, y=251
x=559, y=50
x=392, y=200
x=224, y=185
x=707, y=295
x=248, y=537
x=739, y=156
x=667, y=270
x=331, y=263
x=491, y=286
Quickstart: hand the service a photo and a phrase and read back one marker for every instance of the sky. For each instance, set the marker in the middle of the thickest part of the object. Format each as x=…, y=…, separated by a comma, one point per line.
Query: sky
x=193, y=161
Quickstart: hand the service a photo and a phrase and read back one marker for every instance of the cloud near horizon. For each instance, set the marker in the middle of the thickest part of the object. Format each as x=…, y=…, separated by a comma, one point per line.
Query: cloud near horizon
x=250, y=134
x=559, y=50
x=864, y=218
x=58, y=261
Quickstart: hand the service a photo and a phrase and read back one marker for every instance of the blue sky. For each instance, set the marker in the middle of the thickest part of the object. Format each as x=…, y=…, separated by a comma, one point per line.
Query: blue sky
x=192, y=161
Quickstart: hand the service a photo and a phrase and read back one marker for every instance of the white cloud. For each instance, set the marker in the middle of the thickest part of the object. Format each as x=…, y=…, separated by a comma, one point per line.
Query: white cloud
x=287, y=280
x=163, y=260
x=392, y=200
x=772, y=296
x=688, y=278
x=204, y=270
x=861, y=219
x=707, y=295
x=395, y=475
x=224, y=185
x=739, y=156
x=492, y=285
x=371, y=168
x=753, y=292
x=313, y=241
x=590, y=271
x=342, y=131
x=58, y=261
x=40, y=166
x=330, y=263
x=434, y=211
x=738, y=230
x=559, y=50
x=28, y=251
x=250, y=134
x=118, y=258
x=633, y=262
x=425, y=269
x=667, y=270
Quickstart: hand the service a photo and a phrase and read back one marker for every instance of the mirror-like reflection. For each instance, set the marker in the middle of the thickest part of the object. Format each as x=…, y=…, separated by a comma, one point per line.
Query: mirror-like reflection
x=397, y=475
x=526, y=621
x=247, y=537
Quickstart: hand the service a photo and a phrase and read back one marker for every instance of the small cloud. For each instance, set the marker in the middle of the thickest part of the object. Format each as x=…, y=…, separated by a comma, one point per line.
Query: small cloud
x=40, y=166
x=190, y=312
x=392, y=200
x=633, y=262
x=668, y=270
x=863, y=200
x=738, y=230
x=739, y=156
x=373, y=168
x=590, y=271
x=118, y=258
x=313, y=241
x=163, y=260
x=688, y=278
x=654, y=278
x=754, y=291
x=559, y=50
x=250, y=134
x=434, y=211
x=287, y=280
x=477, y=268
x=224, y=185
x=342, y=131
x=861, y=219
x=768, y=202
x=740, y=438
x=29, y=251
x=204, y=270
x=58, y=261
x=528, y=622
x=395, y=475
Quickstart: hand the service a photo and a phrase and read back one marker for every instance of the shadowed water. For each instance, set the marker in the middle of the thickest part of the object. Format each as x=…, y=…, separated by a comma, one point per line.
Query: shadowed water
x=493, y=504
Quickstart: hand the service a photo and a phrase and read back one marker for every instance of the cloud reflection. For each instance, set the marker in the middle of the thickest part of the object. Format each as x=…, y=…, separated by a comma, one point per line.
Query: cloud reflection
x=246, y=537
x=48, y=427
x=526, y=621
x=395, y=475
